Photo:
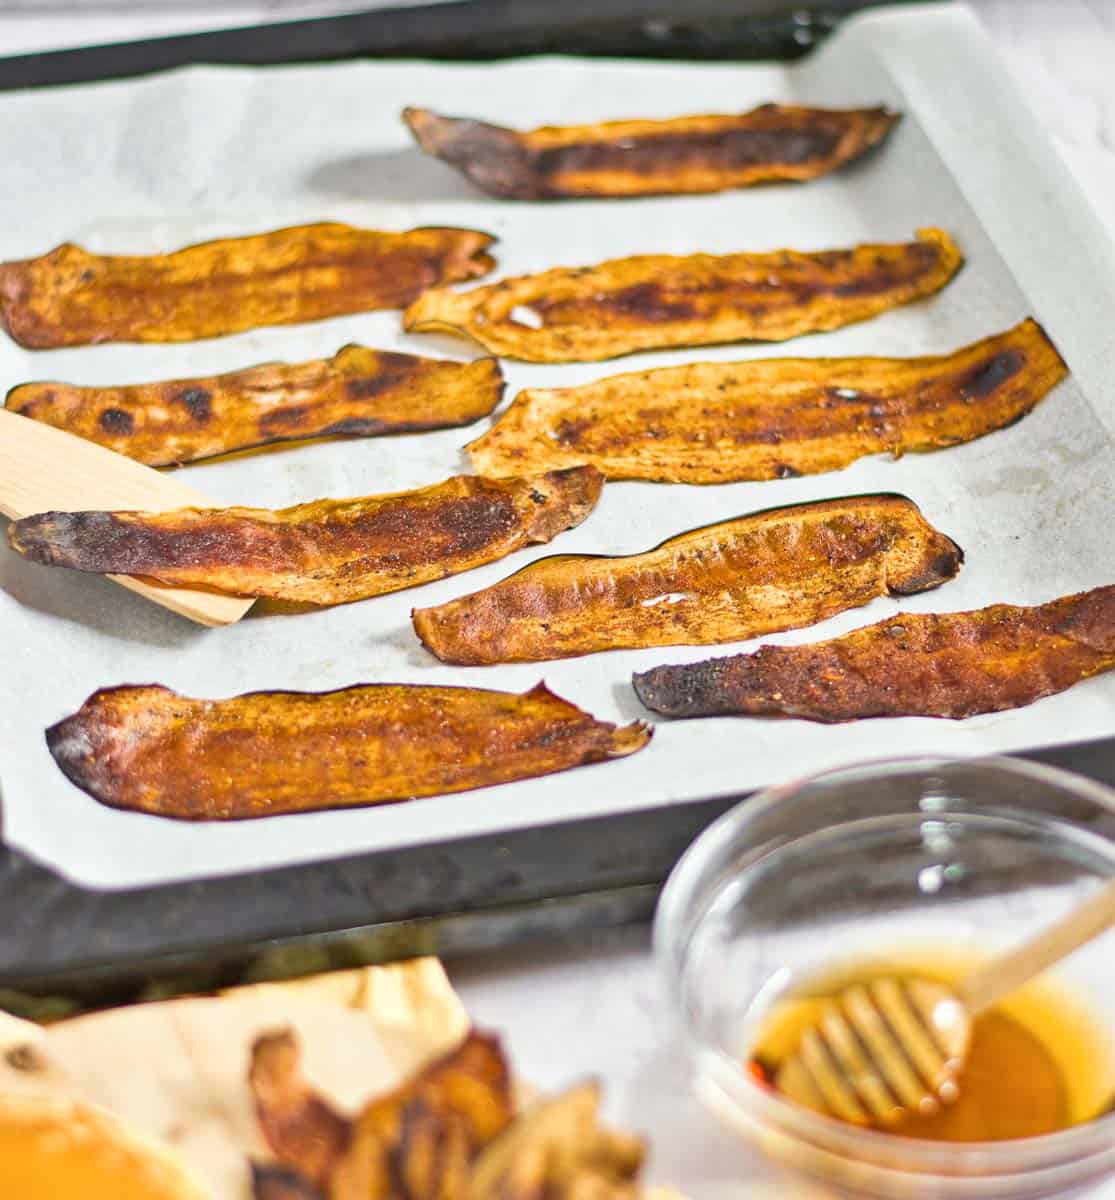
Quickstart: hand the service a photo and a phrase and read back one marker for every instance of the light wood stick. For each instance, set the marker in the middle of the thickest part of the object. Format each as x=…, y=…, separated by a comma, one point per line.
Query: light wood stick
x=1006, y=972
x=44, y=469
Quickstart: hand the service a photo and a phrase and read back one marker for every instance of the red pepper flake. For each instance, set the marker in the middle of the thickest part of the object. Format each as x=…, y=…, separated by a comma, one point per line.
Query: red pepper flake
x=762, y=1075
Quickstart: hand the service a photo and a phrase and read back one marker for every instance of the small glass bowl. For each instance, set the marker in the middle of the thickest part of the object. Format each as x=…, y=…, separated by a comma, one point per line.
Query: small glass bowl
x=974, y=855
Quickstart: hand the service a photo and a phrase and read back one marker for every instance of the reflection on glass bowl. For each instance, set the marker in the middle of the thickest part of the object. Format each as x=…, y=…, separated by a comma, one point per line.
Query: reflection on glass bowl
x=886, y=860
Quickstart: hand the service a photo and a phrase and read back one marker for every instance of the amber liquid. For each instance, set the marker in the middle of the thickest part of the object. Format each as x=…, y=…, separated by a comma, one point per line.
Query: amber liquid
x=1037, y=1063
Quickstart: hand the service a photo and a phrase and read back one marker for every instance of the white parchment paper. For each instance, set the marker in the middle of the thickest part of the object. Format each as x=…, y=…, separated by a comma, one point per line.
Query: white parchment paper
x=150, y=165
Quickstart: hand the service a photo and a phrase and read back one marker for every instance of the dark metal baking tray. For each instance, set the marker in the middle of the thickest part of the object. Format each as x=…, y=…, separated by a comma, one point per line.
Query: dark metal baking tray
x=556, y=881
x=59, y=940
x=472, y=29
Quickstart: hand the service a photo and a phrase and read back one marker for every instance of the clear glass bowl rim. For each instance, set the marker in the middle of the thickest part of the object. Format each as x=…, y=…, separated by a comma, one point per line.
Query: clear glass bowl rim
x=874, y=1147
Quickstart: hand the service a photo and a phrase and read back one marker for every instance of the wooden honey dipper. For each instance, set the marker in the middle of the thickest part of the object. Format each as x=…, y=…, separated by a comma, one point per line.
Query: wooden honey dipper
x=890, y=1046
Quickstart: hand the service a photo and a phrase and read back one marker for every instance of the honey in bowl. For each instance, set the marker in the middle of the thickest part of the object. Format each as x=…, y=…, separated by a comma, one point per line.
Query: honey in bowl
x=1038, y=1062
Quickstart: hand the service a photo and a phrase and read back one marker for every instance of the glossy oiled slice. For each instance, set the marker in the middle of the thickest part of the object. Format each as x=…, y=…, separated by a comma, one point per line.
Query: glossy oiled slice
x=325, y=552
x=916, y=665
x=70, y=297
x=705, y=153
x=151, y=750
x=357, y=392
x=772, y=570
x=581, y=314
x=772, y=418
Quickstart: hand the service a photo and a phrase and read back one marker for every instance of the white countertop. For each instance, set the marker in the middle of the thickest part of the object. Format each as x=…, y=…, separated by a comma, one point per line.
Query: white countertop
x=596, y=1008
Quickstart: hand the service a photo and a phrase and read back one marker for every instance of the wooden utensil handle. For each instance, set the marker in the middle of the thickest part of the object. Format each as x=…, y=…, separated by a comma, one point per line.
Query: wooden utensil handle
x=1011, y=970
x=43, y=468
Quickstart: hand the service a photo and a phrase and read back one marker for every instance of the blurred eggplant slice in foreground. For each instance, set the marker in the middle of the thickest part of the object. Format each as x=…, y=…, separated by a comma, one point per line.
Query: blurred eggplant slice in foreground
x=705, y=153
x=913, y=665
x=653, y=301
x=324, y=552
x=148, y=749
x=449, y=1133
x=772, y=418
x=357, y=392
x=71, y=297
x=778, y=569
x=437, y=1122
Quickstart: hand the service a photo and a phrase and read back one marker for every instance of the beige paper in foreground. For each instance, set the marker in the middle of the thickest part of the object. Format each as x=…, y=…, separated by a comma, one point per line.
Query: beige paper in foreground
x=177, y=1070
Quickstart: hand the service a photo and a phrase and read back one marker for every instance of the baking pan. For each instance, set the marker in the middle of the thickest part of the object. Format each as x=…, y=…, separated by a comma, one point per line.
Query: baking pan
x=101, y=900
x=471, y=30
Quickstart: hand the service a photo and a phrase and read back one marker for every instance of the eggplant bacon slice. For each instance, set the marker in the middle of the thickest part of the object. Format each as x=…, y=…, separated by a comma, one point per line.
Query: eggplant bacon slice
x=558, y=1150
x=707, y=153
x=324, y=552
x=419, y=1141
x=653, y=301
x=358, y=392
x=778, y=569
x=71, y=297
x=449, y=1133
x=772, y=418
x=914, y=665
x=148, y=749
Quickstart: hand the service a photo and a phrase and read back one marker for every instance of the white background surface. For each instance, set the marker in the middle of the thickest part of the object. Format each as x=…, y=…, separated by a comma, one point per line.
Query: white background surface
x=595, y=1008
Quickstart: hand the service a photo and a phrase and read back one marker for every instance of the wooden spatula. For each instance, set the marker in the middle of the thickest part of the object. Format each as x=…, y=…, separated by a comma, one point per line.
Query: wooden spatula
x=44, y=469
x=892, y=1046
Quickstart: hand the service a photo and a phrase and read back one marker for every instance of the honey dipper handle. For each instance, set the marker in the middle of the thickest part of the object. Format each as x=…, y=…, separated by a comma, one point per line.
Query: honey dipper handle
x=1005, y=972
